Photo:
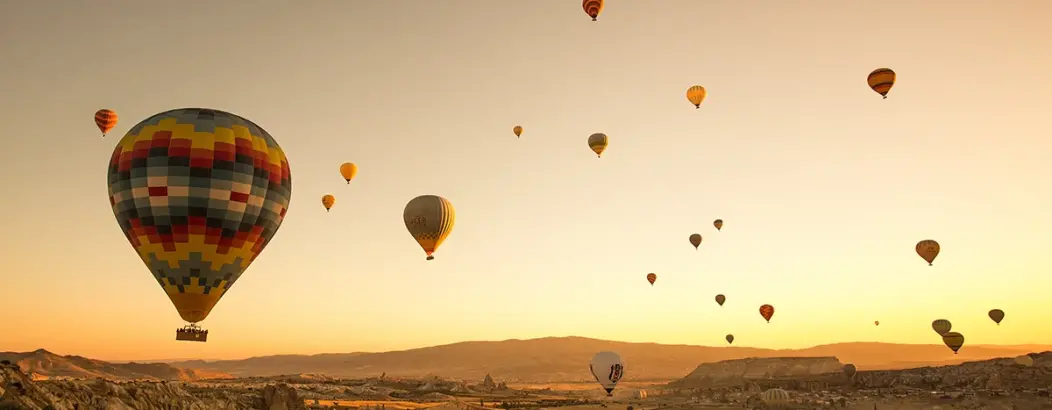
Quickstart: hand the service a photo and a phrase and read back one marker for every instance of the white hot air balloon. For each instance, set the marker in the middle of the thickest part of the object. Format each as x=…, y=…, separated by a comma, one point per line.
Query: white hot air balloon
x=608, y=369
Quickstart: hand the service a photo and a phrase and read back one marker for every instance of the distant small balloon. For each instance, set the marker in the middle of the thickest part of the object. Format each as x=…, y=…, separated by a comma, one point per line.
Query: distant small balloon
x=720, y=299
x=651, y=278
x=105, y=119
x=598, y=142
x=695, y=240
x=881, y=80
x=876, y=323
x=517, y=130
x=718, y=224
x=767, y=311
x=941, y=326
x=730, y=339
x=928, y=249
x=348, y=170
x=997, y=315
x=328, y=201
x=592, y=8
x=696, y=94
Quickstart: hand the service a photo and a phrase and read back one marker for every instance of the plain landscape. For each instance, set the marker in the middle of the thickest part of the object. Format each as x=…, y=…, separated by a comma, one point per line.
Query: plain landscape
x=546, y=372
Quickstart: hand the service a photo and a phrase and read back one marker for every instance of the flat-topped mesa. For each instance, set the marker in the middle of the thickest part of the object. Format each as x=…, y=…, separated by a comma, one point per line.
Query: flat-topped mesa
x=737, y=370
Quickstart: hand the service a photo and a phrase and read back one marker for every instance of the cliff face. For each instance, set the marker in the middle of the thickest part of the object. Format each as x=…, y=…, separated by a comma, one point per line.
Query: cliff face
x=739, y=370
x=19, y=391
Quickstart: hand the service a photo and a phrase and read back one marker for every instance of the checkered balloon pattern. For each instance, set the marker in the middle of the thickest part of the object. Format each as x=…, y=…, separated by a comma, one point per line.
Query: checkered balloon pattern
x=199, y=193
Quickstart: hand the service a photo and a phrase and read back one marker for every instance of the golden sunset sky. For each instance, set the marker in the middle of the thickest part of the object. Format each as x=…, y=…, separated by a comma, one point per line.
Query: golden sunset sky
x=824, y=187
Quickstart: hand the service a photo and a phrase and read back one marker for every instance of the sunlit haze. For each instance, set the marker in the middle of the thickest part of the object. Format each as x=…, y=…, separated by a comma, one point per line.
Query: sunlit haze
x=824, y=186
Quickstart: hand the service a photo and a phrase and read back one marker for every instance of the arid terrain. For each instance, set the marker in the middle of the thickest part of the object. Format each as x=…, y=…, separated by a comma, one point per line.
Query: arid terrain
x=43, y=380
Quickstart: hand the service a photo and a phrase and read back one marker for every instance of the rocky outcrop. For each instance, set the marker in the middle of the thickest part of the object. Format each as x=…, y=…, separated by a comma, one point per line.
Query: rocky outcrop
x=737, y=371
x=19, y=391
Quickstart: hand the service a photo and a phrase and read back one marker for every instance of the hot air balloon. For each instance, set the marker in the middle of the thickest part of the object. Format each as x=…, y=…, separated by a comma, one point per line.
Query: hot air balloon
x=928, y=249
x=1024, y=360
x=767, y=311
x=163, y=180
x=695, y=240
x=997, y=315
x=881, y=80
x=730, y=339
x=348, y=170
x=517, y=130
x=597, y=142
x=941, y=326
x=328, y=201
x=953, y=340
x=608, y=369
x=876, y=323
x=651, y=278
x=430, y=219
x=718, y=224
x=105, y=119
x=696, y=94
x=720, y=299
x=775, y=398
x=849, y=370
x=592, y=8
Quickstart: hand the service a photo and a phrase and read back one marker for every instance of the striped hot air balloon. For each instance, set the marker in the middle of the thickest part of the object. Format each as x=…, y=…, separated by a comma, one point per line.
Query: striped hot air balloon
x=881, y=80
x=767, y=311
x=651, y=278
x=592, y=8
x=775, y=398
x=430, y=219
x=953, y=340
x=598, y=142
x=696, y=94
x=105, y=119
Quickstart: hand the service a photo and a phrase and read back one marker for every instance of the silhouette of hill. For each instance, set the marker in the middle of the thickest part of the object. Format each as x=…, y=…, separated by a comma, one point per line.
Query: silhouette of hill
x=42, y=364
x=566, y=359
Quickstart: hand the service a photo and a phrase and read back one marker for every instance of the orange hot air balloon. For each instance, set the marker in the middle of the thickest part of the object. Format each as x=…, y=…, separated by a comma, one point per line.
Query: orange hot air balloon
x=876, y=323
x=928, y=249
x=651, y=278
x=328, y=201
x=105, y=119
x=695, y=239
x=592, y=8
x=348, y=170
x=718, y=224
x=720, y=299
x=881, y=80
x=767, y=311
x=517, y=130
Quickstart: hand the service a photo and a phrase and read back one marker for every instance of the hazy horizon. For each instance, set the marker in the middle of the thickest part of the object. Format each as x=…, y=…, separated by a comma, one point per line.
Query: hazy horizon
x=824, y=186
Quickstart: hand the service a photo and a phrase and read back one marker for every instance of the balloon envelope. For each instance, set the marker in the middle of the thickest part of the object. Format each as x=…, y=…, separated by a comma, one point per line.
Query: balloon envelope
x=953, y=340
x=881, y=80
x=730, y=338
x=430, y=219
x=941, y=326
x=718, y=224
x=598, y=142
x=928, y=249
x=997, y=315
x=651, y=278
x=348, y=170
x=767, y=311
x=720, y=299
x=199, y=194
x=105, y=119
x=608, y=369
x=695, y=240
x=517, y=130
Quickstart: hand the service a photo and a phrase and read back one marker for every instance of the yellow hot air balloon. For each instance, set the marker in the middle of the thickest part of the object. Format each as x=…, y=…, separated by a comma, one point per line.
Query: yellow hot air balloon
x=718, y=224
x=517, y=130
x=928, y=249
x=881, y=80
x=597, y=142
x=953, y=340
x=430, y=219
x=348, y=170
x=941, y=326
x=696, y=94
x=695, y=240
x=328, y=201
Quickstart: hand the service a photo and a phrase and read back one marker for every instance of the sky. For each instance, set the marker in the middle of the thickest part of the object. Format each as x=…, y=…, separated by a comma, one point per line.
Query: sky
x=824, y=186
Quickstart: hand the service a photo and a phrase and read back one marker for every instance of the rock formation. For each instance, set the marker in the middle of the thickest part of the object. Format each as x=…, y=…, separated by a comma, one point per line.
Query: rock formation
x=737, y=371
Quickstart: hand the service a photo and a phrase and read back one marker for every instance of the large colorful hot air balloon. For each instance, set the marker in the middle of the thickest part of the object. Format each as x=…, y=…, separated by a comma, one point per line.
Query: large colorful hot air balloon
x=430, y=219
x=651, y=278
x=849, y=370
x=928, y=249
x=592, y=8
x=696, y=94
x=953, y=340
x=199, y=193
x=105, y=119
x=718, y=224
x=348, y=170
x=881, y=80
x=598, y=142
x=328, y=201
x=767, y=311
x=997, y=315
x=608, y=369
x=730, y=339
x=941, y=326
x=720, y=299
x=517, y=130
x=775, y=398
x=695, y=239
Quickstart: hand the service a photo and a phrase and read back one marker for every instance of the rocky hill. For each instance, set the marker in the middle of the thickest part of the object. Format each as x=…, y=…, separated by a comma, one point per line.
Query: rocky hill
x=553, y=359
x=731, y=372
x=42, y=364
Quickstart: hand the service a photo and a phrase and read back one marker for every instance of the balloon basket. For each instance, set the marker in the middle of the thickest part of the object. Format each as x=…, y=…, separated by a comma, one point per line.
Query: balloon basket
x=191, y=333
